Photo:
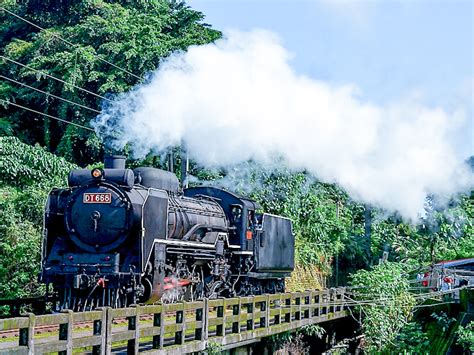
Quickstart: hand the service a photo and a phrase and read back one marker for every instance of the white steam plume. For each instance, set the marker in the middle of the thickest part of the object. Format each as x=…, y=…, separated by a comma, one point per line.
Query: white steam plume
x=239, y=99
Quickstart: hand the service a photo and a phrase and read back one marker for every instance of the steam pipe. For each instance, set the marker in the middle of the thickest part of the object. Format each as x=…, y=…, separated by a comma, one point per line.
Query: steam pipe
x=184, y=168
x=170, y=161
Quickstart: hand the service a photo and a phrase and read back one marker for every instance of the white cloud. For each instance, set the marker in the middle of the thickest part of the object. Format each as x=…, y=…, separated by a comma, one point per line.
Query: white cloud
x=239, y=99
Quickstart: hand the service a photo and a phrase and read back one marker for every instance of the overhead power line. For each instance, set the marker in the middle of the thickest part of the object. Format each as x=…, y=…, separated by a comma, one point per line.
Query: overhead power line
x=384, y=301
x=46, y=115
x=54, y=78
x=49, y=94
x=71, y=44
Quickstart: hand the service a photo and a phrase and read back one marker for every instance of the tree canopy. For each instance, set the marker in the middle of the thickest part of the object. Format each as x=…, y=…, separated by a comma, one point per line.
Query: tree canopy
x=133, y=36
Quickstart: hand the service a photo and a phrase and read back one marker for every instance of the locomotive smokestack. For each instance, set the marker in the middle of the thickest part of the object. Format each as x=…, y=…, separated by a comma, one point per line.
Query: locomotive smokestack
x=114, y=162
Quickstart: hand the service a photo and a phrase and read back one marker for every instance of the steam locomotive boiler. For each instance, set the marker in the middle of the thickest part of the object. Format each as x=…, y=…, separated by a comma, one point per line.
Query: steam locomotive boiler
x=118, y=236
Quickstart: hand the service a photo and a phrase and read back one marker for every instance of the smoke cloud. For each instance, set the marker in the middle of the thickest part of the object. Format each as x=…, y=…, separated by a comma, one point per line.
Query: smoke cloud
x=239, y=99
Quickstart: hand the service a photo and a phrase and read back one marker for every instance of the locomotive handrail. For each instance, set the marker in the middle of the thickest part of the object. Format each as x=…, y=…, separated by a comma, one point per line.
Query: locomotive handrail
x=207, y=197
x=177, y=327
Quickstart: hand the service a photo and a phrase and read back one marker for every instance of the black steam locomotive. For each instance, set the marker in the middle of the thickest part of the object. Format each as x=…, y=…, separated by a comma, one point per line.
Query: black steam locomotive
x=117, y=236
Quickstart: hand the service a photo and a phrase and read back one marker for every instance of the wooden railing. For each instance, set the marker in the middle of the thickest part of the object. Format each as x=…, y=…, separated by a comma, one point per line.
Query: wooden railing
x=171, y=328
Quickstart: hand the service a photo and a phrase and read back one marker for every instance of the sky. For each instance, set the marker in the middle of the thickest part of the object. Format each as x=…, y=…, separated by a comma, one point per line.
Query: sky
x=391, y=50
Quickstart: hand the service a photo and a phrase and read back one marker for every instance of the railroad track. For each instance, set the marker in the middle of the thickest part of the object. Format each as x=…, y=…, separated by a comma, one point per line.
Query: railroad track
x=79, y=326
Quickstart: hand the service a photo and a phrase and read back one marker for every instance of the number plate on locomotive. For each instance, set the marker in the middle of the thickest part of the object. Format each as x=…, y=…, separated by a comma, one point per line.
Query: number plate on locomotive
x=99, y=197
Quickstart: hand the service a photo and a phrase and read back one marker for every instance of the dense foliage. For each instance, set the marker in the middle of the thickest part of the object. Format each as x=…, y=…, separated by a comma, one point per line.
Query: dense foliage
x=412, y=339
x=26, y=175
x=388, y=302
x=442, y=234
x=466, y=336
x=133, y=35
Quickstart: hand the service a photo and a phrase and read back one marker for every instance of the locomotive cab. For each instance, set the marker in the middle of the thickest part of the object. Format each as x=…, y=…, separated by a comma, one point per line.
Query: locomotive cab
x=267, y=238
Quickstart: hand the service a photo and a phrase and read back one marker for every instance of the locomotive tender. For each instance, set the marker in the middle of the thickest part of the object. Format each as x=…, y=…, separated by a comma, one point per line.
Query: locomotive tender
x=118, y=236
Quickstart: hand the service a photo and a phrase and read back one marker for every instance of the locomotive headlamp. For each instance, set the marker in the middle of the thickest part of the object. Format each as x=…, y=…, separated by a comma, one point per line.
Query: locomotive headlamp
x=96, y=173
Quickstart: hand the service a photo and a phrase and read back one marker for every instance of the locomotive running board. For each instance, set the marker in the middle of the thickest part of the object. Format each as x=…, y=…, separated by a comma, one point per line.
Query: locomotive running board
x=184, y=244
x=243, y=252
x=191, y=244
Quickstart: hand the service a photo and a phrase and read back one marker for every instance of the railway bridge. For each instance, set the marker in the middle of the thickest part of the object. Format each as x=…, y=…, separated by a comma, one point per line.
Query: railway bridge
x=176, y=328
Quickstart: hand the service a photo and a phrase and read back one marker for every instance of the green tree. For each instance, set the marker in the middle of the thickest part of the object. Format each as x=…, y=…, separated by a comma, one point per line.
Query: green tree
x=442, y=234
x=133, y=35
x=466, y=336
x=386, y=303
x=412, y=339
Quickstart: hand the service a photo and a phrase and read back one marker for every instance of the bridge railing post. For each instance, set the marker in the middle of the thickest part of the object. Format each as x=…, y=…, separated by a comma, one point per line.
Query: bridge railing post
x=279, y=304
x=220, y=328
x=65, y=332
x=162, y=318
x=324, y=303
x=251, y=310
x=108, y=327
x=26, y=335
x=199, y=331
x=314, y=301
x=339, y=296
x=298, y=302
x=295, y=305
x=319, y=296
x=134, y=324
x=343, y=299
x=274, y=308
x=333, y=299
x=158, y=313
x=100, y=329
x=260, y=310
x=205, y=320
x=307, y=305
x=286, y=298
x=158, y=319
x=236, y=312
x=180, y=334
x=267, y=311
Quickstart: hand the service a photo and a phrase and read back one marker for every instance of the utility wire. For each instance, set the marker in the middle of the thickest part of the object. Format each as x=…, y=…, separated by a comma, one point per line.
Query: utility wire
x=382, y=302
x=54, y=78
x=426, y=295
x=460, y=273
x=49, y=94
x=71, y=44
x=45, y=114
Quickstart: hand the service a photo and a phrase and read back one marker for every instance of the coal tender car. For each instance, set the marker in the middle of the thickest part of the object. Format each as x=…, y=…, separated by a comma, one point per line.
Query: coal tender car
x=117, y=236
